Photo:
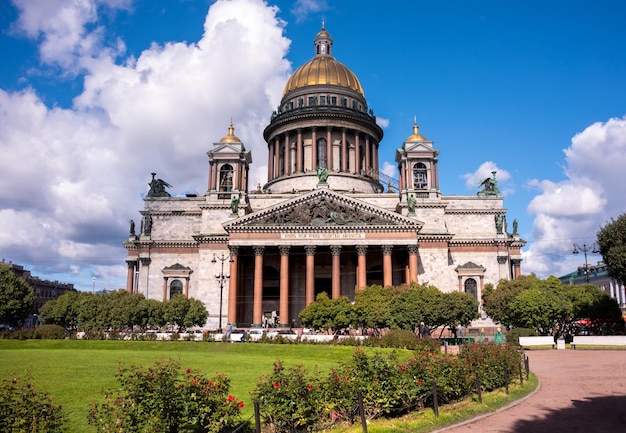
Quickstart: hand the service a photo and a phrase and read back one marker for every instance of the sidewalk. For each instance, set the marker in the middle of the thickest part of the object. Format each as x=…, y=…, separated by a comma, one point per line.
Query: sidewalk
x=580, y=391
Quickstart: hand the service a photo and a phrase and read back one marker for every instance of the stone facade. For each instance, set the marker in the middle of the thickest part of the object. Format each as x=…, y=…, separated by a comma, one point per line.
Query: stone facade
x=326, y=220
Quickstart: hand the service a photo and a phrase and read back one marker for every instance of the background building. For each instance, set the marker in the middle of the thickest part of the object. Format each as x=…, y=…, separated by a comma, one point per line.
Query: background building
x=44, y=290
x=598, y=276
x=326, y=220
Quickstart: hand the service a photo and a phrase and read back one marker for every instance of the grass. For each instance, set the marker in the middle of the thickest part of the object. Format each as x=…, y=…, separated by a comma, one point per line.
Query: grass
x=76, y=372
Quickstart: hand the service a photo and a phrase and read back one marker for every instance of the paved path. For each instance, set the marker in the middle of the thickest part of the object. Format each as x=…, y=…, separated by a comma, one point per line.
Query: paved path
x=581, y=391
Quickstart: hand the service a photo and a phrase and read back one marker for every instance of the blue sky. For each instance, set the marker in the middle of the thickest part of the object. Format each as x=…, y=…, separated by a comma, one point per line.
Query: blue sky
x=97, y=94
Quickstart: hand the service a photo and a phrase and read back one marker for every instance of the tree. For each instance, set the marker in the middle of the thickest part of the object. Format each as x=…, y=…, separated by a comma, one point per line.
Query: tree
x=537, y=309
x=16, y=297
x=184, y=312
x=612, y=243
x=61, y=311
x=326, y=313
x=372, y=307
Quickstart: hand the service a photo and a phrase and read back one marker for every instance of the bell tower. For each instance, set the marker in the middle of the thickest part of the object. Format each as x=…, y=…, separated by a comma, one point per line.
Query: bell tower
x=417, y=161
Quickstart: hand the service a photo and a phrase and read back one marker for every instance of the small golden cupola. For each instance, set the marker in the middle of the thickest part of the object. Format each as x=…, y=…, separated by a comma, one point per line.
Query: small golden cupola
x=231, y=137
x=416, y=136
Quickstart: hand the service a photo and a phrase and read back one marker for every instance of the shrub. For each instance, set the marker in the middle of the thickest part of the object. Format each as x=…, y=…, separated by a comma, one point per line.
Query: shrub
x=163, y=399
x=453, y=379
x=490, y=360
x=514, y=334
x=290, y=399
x=399, y=339
x=23, y=409
x=49, y=332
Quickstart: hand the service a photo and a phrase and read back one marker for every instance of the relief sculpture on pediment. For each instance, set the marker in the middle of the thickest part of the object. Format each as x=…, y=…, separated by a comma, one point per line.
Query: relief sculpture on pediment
x=323, y=211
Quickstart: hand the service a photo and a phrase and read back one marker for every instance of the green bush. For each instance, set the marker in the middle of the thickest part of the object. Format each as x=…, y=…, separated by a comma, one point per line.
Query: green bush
x=400, y=339
x=514, y=334
x=162, y=399
x=49, y=332
x=490, y=360
x=290, y=400
x=24, y=409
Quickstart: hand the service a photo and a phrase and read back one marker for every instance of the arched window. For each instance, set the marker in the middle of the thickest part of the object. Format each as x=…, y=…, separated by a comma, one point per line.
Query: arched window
x=176, y=287
x=226, y=178
x=471, y=287
x=321, y=153
x=420, y=176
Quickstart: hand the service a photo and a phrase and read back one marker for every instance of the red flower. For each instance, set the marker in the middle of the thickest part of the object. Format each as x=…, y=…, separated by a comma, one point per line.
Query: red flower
x=276, y=384
x=402, y=367
x=188, y=371
x=208, y=382
x=241, y=404
x=419, y=382
x=231, y=398
x=180, y=385
x=309, y=387
x=195, y=382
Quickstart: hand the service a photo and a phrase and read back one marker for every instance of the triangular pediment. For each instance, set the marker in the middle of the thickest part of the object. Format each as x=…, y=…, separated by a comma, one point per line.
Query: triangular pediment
x=324, y=209
x=421, y=146
x=227, y=148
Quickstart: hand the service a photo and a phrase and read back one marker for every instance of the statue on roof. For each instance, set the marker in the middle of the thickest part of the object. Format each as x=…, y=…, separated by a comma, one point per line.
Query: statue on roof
x=322, y=174
x=490, y=186
x=157, y=187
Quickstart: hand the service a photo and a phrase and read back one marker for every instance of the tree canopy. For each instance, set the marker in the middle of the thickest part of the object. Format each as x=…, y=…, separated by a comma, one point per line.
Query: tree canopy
x=16, y=297
x=612, y=244
x=121, y=310
x=547, y=305
x=405, y=307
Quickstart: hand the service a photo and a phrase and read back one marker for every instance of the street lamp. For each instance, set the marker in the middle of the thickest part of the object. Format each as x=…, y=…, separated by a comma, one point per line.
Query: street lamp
x=221, y=277
x=93, y=286
x=585, y=249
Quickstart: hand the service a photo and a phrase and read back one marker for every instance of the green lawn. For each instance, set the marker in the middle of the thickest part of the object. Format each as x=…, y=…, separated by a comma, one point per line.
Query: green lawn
x=75, y=372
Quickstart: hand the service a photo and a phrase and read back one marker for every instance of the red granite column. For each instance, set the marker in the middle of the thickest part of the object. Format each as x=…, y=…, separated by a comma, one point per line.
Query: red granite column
x=309, y=295
x=130, y=276
x=257, y=306
x=232, y=285
x=336, y=272
x=299, y=152
x=387, y=276
x=284, y=285
x=344, y=151
x=313, y=150
x=413, y=263
x=361, y=280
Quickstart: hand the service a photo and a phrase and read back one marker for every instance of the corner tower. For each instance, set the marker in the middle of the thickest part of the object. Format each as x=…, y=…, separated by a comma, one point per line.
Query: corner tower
x=323, y=122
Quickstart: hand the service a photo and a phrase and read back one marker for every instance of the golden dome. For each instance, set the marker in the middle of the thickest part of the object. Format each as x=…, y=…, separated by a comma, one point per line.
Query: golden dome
x=231, y=137
x=416, y=136
x=323, y=71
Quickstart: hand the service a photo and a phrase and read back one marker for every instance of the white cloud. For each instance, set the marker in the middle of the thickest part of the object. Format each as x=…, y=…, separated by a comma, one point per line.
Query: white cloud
x=382, y=122
x=572, y=210
x=303, y=8
x=486, y=169
x=72, y=178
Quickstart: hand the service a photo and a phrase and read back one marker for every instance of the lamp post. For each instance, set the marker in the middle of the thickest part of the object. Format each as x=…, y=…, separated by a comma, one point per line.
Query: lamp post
x=221, y=277
x=93, y=286
x=585, y=249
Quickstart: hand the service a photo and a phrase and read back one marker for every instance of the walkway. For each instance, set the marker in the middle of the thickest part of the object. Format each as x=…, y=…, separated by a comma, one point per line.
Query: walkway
x=581, y=391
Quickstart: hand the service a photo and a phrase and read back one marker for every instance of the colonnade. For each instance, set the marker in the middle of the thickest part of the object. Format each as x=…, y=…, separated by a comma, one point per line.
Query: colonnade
x=287, y=151
x=410, y=275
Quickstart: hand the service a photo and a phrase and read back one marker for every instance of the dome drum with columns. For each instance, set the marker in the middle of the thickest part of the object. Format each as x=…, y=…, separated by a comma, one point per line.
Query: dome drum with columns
x=326, y=220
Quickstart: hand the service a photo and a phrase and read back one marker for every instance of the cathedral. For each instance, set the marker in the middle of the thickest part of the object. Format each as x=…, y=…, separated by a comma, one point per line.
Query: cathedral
x=327, y=220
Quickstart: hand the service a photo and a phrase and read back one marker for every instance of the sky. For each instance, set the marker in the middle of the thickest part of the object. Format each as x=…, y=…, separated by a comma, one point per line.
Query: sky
x=97, y=94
